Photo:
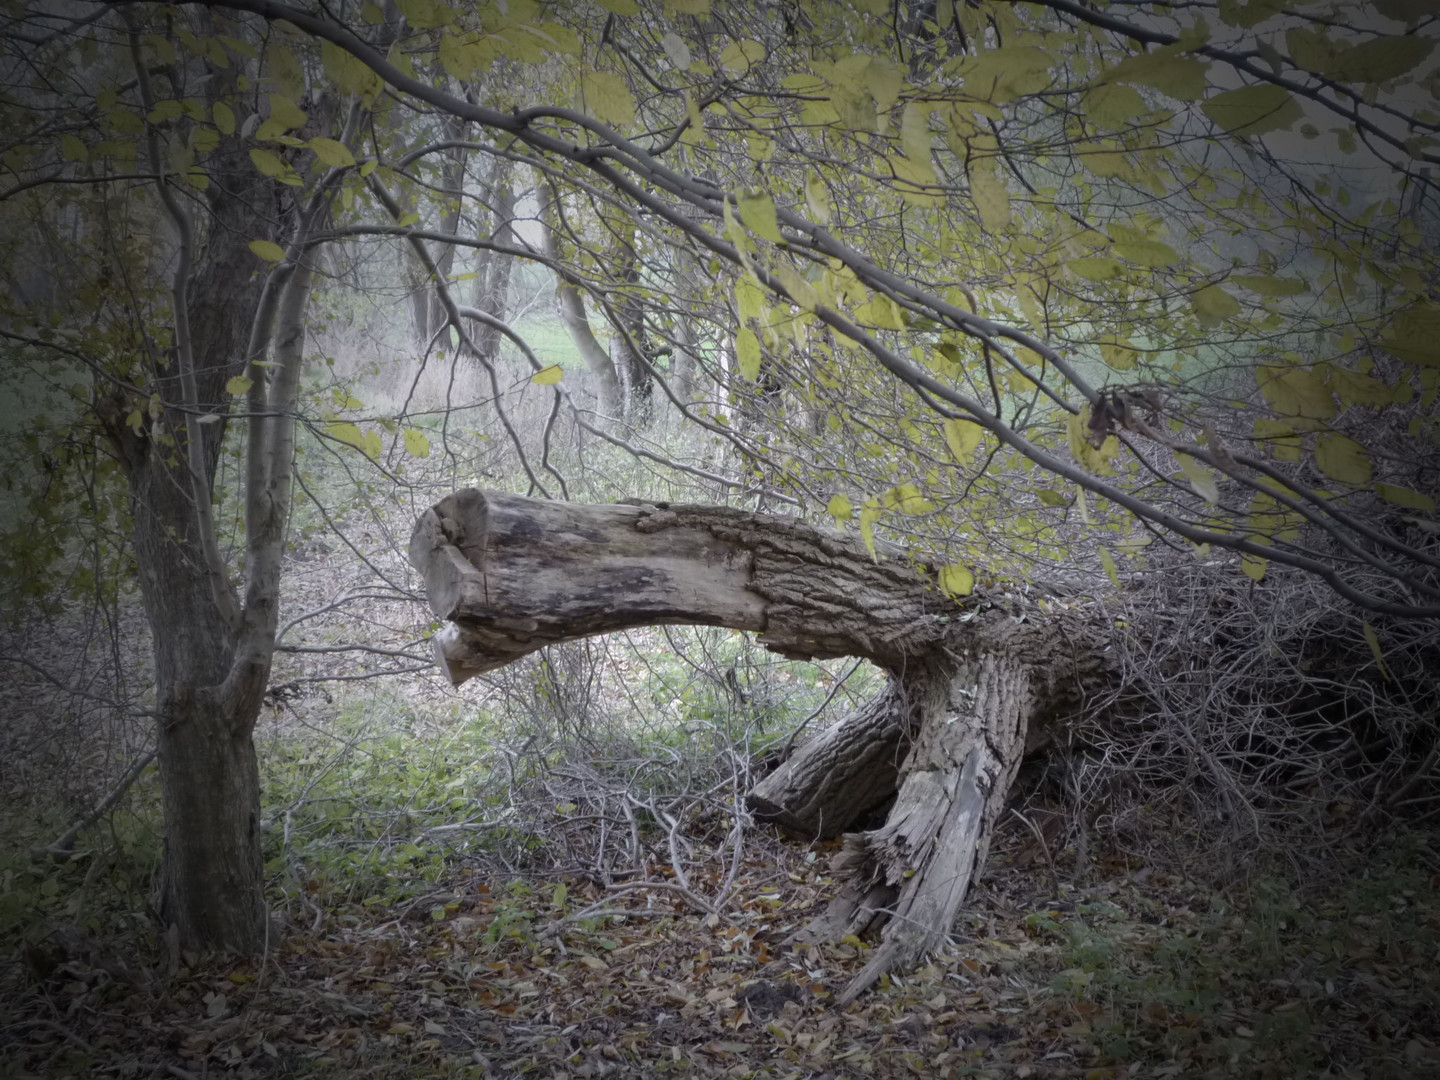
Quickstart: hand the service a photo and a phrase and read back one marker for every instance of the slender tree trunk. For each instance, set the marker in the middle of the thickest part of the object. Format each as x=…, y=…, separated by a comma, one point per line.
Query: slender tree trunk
x=492, y=289
x=608, y=391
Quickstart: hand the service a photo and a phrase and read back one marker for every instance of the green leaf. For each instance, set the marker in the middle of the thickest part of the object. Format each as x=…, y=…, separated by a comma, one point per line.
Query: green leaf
x=548, y=376
x=747, y=353
x=1253, y=110
x=238, y=384
x=956, y=580
x=1343, y=459
x=73, y=149
x=416, y=443
x=332, y=152
x=621, y=7
x=607, y=98
x=267, y=250
x=1253, y=566
x=1379, y=59
x=757, y=211
x=839, y=508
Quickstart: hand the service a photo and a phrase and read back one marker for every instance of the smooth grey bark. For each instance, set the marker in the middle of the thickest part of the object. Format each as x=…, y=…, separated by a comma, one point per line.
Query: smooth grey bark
x=968, y=682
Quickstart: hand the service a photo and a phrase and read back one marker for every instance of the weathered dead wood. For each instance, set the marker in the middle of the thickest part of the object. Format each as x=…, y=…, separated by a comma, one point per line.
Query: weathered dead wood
x=968, y=685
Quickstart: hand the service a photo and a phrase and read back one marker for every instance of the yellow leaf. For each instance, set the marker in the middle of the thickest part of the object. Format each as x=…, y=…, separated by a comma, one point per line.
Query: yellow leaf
x=267, y=250
x=1108, y=562
x=740, y=56
x=1295, y=391
x=1095, y=267
x=1202, y=480
x=956, y=580
x=332, y=152
x=817, y=198
x=757, y=211
x=1253, y=566
x=1379, y=59
x=1414, y=335
x=1112, y=105
x=907, y=499
x=607, y=98
x=286, y=113
x=1403, y=496
x=747, y=353
x=1182, y=77
x=1212, y=304
x=991, y=198
x=349, y=73
x=1253, y=110
x=1281, y=439
x=869, y=514
x=238, y=385
x=800, y=290
x=416, y=443
x=1148, y=253
x=1373, y=640
x=548, y=376
x=1343, y=459
x=962, y=436
x=268, y=163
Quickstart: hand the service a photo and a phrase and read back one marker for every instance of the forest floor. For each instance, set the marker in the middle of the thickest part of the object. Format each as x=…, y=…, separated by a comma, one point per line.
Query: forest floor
x=1135, y=973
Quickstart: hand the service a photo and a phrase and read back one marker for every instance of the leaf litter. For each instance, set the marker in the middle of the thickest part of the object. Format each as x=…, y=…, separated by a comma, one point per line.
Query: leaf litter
x=1140, y=974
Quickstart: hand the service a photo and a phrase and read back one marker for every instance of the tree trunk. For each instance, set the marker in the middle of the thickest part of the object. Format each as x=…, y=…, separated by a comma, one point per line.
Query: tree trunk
x=969, y=680
x=842, y=774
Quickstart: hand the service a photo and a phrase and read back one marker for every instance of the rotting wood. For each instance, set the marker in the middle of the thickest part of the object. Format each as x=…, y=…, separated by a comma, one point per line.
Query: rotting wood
x=970, y=682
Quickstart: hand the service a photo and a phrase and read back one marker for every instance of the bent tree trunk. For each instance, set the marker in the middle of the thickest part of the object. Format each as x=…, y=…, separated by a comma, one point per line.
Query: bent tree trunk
x=968, y=682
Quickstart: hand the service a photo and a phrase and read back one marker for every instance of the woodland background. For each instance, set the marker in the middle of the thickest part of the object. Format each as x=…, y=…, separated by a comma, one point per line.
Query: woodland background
x=1126, y=308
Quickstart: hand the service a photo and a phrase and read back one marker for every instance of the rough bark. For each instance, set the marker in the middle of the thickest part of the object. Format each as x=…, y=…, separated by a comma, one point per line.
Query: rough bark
x=212, y=884
x=843, y=773
x=969, y=682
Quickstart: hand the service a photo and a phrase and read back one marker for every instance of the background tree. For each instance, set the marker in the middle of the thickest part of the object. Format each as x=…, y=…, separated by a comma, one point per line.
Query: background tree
x=1022, y=284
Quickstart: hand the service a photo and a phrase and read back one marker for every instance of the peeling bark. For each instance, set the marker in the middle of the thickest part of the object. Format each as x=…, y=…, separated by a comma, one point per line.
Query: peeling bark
x=970, y=683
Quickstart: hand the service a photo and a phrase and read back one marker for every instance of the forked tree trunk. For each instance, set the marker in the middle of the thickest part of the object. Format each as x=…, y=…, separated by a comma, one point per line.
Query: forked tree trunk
x=969, y=681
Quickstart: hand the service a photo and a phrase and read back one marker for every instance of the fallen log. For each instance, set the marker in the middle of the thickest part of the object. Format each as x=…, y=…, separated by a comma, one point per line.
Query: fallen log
x=971, y=679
